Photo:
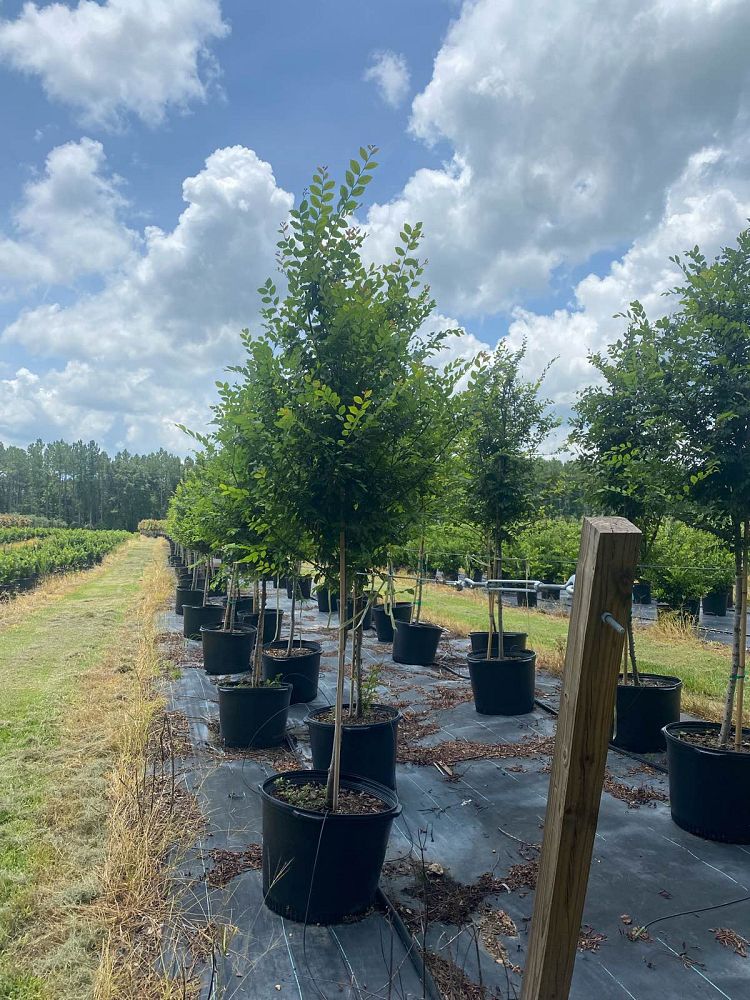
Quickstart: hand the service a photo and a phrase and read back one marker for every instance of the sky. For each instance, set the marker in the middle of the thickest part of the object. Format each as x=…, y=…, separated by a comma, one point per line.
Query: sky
x=557, y=152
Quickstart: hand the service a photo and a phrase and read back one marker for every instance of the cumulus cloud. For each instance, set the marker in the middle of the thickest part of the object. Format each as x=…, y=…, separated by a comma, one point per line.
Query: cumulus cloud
x=118, y=57
x=389, y=72
x=708, y=205
x=144, y=351
x=567, y=124
x=68, y=223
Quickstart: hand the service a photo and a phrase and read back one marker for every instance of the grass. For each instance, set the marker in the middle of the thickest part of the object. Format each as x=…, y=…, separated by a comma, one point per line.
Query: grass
x=66, y=663
x=664, y=648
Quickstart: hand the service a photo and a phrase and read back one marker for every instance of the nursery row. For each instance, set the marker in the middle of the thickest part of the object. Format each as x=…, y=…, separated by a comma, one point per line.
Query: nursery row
x=58, y=550
x=8, y=536
x=29, y=521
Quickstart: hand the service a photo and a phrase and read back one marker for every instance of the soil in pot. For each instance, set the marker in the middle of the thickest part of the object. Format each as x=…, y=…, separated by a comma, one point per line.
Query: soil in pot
x=271, y=623
x=301, y=669
x=307, y=850
x=227, y=652
x=382, y=620
x=643, y=711
x=327, y=601
x=186, y=595
x=709, y=788
x=512, y=642
x=416, y=642
x=503, y=687
x=253, y=716
x=196, y=615
x=368, y=745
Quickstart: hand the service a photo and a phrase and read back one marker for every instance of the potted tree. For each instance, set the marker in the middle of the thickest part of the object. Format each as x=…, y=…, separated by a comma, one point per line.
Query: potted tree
x=628, y=441
x=506, y=423
x=711, y=401
x=338, y=364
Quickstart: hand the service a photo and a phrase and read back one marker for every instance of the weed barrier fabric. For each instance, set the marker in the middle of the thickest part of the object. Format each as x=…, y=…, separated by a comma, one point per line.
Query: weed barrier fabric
x=644, y=866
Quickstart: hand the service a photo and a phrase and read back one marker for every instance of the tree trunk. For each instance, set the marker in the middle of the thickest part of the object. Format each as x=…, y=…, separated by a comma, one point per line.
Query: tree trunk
x=420, y=576
x=231, y=600
x=726, y=722
x=291, y=614
x=258, y=652
x=631, y=650
x=207, y=581
x=334, y=773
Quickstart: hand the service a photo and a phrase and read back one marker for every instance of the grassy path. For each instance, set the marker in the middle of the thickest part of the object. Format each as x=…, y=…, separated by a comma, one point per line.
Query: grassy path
x=52, y=781
x=703, y=667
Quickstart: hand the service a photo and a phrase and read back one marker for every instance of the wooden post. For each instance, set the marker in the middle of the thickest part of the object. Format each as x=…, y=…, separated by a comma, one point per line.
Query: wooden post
x=604, y=580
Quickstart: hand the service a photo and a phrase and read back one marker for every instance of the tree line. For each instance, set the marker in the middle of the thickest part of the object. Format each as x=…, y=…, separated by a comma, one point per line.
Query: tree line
x=82, y=485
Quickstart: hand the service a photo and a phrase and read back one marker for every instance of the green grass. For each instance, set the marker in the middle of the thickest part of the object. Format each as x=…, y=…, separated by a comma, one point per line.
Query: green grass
x=667, y=650
x=43, y=662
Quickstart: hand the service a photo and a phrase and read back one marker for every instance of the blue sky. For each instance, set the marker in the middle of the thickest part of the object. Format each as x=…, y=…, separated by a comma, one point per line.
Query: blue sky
x=147, y=162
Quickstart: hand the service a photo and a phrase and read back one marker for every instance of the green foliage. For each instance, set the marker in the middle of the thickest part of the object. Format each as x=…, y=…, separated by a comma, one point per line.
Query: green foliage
x=687, y=563
x=58, y=551
x=507, y=423
x=30, y=521
x=448, y=547
x=625, y=433
x=550, y=546
x=152, y=526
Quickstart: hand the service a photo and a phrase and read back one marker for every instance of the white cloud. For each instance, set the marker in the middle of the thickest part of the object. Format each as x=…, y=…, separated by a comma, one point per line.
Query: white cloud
x=68, y=224
x=389, y=72
x=567, y=124
x=120, y=56
x=145, y=351
x=708, y=205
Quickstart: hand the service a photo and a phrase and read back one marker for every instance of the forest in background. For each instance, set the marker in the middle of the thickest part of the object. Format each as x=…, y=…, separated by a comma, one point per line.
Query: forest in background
x=81, y=485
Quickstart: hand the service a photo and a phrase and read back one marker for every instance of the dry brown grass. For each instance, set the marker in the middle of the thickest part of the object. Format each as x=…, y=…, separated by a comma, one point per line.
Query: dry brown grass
x=148, y=947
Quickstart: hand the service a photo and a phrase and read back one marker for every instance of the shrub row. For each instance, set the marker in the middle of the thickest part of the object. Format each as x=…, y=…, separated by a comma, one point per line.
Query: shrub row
x=63, y=549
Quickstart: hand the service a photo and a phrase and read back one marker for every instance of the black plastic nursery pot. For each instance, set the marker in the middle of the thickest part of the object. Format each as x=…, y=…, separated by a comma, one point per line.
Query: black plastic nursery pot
x=327, y=601
x=242, y=606
x=416, y=642
x=503, y=687
x=323, y=867
x=186, y=595
x=304, y=585
x=300, y=670
x=715, y=602
x=644, y=710
x=642, y=592
x=709, y=788
x=366, y=621
x=227, y=652
x=271, y=623
x=194, y=616
x=253, y=716
x=512, y=642
x=367, y=750
x=527, y=600
x=382, y=620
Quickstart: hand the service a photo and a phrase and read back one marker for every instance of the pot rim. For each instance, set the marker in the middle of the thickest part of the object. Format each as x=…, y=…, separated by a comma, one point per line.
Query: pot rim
x=676, y=682
x=670, y=734
x=217, y=627
x=245, y=688
x=523, y=655
x=479, y=631
x=426, y=625
x=350, y=781
x=310, y=719
x=311, y=645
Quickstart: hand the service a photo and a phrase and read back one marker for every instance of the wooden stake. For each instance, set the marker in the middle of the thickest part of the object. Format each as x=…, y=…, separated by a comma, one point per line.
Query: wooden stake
x=741, y=609
x=604, y=579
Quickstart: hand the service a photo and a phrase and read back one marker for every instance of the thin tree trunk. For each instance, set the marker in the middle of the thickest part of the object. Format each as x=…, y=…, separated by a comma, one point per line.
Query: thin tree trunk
x=743, y=643
x=334, y=773
x=359, y=618
x=726, y=722
x=499, y=576
x=290, y=644
x=420, y=576
x=207, y=581
x=258, y=652
x=195, y=569
x=231, y=600
x=631, y=650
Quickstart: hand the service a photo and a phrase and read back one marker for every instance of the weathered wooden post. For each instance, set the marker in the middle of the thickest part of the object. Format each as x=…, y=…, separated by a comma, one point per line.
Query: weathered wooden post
x=607, y=562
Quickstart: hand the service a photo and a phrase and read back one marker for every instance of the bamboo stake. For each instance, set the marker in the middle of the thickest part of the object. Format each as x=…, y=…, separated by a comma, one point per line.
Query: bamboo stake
x=334, y=773
x=743, y=643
